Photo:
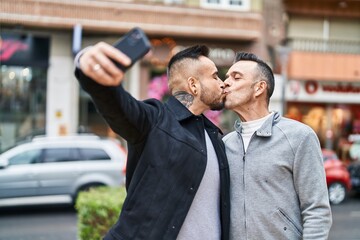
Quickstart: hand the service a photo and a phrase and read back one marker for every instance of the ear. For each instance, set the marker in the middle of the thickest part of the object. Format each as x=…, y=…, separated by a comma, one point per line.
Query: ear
x=260, y=88
x=193, y=85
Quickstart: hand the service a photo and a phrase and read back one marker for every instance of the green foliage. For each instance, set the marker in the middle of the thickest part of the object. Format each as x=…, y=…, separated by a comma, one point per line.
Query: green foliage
x=98, y=209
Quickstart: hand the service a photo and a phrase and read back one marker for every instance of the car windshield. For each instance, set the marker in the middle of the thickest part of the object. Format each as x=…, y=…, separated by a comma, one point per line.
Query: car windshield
x=27, y=157
x=12, y=146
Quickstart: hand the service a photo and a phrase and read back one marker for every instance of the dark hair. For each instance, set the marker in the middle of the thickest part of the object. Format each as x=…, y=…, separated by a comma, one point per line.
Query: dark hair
x=193, y=52
x=265, y=71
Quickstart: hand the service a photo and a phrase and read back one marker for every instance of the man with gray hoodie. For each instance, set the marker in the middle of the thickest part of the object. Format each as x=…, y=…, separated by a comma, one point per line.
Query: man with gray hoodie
x=278, y=186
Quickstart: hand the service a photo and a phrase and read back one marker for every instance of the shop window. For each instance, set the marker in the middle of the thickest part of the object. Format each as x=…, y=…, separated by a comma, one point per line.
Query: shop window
x=22, y=103
x=89, y=118
x=333, y=123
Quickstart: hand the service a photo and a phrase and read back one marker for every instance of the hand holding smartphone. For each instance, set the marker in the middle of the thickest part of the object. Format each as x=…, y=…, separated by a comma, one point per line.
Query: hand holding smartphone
x=134, y=44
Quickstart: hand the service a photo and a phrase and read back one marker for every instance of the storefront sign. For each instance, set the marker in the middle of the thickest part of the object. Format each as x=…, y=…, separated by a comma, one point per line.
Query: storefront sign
x=347, y=88
x=221, y=56
x=311, y=87
x=324, y=92
x=24, y=50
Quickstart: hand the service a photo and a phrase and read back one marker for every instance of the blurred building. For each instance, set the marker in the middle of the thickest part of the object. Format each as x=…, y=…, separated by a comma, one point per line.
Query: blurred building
x=314, y=46
x=321, y=55
x=39, y=39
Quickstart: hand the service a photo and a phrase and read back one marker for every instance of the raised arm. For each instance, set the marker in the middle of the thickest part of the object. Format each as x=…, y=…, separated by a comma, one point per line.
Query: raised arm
x=98, y=76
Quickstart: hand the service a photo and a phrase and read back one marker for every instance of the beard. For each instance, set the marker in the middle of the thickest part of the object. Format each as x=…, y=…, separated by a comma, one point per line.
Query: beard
x=215, y=102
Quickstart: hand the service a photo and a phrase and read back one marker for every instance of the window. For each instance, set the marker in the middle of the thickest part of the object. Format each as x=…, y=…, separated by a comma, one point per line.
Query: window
x=93, y=154
x=27, y=157
x=173, y=2
x=243, y=5
x=22, y=103
x=60, y=155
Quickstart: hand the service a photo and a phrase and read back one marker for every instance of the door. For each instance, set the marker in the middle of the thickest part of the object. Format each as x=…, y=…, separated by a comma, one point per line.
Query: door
x=18, y=178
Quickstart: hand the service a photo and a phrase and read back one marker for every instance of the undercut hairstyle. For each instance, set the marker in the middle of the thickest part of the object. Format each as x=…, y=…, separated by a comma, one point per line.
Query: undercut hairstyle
x=193, y=52
x=265, y=71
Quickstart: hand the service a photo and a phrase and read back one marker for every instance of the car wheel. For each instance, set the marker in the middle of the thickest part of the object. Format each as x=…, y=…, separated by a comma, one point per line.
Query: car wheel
x=337, y=193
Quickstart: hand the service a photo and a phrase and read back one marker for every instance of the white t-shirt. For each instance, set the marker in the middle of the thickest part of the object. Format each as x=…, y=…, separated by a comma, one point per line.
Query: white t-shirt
x=248, y=128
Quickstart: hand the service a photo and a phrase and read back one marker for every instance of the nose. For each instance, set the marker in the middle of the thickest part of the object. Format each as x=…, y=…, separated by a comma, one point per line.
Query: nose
x=226, y=83
x=222, y=84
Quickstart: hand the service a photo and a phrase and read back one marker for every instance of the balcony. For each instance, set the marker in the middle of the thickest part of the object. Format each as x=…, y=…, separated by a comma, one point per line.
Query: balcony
x=326, y=46
x=312, y=59
x=119, y=16
x=325, y=8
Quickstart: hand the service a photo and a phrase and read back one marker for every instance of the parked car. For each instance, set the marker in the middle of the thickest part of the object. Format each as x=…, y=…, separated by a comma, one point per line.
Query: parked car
x=354, y=150
x=337, y=177
x=354, y=167
x=56, y=169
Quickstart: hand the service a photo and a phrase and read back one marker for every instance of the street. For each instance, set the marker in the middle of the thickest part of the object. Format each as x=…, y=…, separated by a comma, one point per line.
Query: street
x=346, y=219
x=59, y=222
x=38, y=223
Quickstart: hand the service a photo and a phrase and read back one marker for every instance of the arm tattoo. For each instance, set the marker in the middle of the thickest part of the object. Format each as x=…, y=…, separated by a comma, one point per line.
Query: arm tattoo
x=185, y=98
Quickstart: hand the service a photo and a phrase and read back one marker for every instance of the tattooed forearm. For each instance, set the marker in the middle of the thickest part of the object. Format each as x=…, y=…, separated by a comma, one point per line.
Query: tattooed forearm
x=185, y=98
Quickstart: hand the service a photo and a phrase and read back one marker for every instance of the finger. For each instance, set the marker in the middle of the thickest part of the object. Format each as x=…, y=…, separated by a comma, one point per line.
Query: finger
x=100, y=54
x=115, y=54
x=106, y=79
x=96, y=56
x=96, y=72
x=108, y=65
x=103, y=78
x=87, y=61
x=108, y=68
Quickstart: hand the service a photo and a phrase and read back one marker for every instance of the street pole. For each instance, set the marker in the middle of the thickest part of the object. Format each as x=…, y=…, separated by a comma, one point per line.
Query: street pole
x=283, y=52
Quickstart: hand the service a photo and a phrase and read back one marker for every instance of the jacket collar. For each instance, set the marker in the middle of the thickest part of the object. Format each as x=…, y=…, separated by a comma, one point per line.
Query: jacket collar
x=178, y=109
x=265, y=130
x=181, y=113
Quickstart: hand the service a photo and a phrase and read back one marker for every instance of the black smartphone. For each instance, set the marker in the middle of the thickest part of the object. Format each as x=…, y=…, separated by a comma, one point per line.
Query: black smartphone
x=134, y=44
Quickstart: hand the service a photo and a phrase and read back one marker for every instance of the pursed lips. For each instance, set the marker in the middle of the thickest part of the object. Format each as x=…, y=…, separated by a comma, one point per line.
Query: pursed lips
x=226, y=91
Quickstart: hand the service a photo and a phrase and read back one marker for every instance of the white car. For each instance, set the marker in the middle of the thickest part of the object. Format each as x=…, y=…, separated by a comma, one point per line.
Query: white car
x=55, y=169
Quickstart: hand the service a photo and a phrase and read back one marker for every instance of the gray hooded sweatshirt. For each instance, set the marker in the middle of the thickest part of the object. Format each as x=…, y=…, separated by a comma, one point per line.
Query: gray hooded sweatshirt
x=278, y=187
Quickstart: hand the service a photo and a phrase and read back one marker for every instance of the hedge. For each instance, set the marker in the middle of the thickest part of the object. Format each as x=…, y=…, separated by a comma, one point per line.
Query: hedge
x=97, y=210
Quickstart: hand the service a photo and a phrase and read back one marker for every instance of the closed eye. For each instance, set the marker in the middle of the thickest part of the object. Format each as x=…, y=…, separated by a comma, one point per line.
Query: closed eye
x=236, y=75
x=216, y=76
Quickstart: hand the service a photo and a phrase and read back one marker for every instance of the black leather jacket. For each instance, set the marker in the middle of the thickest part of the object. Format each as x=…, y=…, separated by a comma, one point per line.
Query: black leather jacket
x=166, y=162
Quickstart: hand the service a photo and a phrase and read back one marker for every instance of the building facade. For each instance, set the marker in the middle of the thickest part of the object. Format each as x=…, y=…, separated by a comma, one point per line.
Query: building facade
x=45, y=98
x=322, y=54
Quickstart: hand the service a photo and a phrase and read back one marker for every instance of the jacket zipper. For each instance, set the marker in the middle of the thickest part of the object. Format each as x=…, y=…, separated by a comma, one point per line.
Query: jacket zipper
x=244, y=193
x=244, y=164
x=244, y=152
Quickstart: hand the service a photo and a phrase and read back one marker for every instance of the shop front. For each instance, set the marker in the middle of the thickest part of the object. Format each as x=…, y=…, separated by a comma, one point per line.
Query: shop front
x=24, y=61
x=332, y=109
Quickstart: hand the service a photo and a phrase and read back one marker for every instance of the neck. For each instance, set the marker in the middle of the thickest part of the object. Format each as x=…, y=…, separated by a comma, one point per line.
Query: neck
x=247, y=113
x=185, y=98
x=189, y=102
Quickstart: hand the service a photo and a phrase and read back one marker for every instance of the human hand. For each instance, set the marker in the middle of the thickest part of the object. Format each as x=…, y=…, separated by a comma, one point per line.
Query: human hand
x=96, y=63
